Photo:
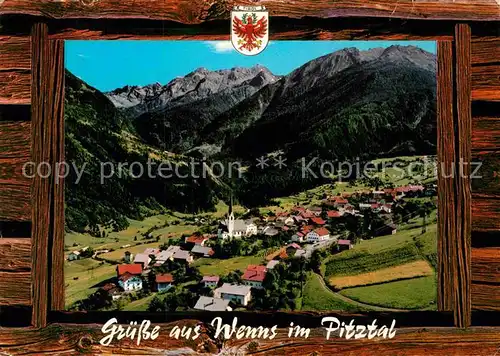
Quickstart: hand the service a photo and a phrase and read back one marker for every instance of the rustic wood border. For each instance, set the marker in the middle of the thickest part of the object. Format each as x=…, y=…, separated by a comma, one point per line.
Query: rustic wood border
x=449, y=262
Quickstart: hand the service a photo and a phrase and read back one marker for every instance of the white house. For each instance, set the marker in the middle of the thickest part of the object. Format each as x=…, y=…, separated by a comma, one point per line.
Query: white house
x=210, y=281
x=236, y=228
x=75, y=255
x=130, y=282
x=238, y=294
x=317, y=235
x=212, y=304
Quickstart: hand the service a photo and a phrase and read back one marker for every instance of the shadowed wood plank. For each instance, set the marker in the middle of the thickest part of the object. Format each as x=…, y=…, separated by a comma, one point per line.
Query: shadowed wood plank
x=84, y=339
x=15, y=139
x=446, y=193
x=15, y=52
x=15, y=201
x=485, y=296
x=281, y=29
x=461, y=262
x=486, y=81
x=15, y=152
x=41, y=142
x=486, y=179
x=15, y=62
x=486, y=133
x=485, y=50
x=15, y=86
x=485, y=213
x=197, y=11
x=15, y=288
x=15, y=254
x=57, y=122
x=486, y=265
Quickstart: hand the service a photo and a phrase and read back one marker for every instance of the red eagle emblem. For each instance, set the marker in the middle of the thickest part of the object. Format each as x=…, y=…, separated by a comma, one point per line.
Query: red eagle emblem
x=249, y=31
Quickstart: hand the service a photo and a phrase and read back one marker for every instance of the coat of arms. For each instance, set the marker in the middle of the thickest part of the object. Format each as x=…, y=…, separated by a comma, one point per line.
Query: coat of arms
x=249, y=29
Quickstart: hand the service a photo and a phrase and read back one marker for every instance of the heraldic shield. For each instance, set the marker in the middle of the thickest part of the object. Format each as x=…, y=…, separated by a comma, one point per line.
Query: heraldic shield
x=249, y=29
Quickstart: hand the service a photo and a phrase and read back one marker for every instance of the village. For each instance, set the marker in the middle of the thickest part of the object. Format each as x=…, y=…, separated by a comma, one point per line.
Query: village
x=289, y=243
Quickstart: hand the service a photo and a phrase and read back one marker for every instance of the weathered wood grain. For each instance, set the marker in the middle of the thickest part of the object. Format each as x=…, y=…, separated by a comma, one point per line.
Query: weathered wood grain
x=485, y=50
x=15, y=139
x=281, y=29
x=485, y=296
x=485, y=213
x=15, y=254
x=41, y=150
x=197, y=11
x=486, y=265
x=461, y=262
x=15, y=201
x=486, y=81
x=14, y=86
x=15, y=152
x=486, y=178
x=486, y=133
x=15, y=52
x=78, y=339
x=15, y=62
x=57, y=122
x=446, y=192
x=15, y=288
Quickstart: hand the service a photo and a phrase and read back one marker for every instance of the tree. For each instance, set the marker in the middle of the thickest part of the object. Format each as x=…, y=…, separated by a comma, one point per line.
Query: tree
x=156, y=305
x=315, y=261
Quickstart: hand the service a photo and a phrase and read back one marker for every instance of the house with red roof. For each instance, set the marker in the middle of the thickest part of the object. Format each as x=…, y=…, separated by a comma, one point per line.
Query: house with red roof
x=334, y=214
x=164, y=282
x=307, y=214
x=196, y=239
x=210, y=281
x=317, y=235
x=254, y=276
x=134, y=269
x=307, y=228
x=338, y=201
x=318, y=221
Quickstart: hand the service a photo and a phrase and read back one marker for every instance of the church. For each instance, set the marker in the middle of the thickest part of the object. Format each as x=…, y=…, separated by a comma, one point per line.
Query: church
x=235, y=228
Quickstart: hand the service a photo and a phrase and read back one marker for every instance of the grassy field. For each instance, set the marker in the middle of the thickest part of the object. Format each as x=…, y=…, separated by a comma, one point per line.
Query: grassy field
x=140, y=304
x=90, y=274
x=320, y=298
x=417, y=293
x=382, y=252
x=117, y=255
x=211, y=266
x=405, y=271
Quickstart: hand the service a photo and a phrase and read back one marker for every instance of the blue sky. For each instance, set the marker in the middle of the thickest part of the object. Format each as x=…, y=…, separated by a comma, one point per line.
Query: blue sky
x=107, y=65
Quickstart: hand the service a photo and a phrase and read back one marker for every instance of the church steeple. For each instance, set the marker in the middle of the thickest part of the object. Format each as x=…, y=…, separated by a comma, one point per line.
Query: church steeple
x=230, y=218
x=230, y=211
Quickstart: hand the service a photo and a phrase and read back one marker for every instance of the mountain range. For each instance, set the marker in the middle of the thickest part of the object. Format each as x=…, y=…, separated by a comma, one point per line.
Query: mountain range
x=346, y=104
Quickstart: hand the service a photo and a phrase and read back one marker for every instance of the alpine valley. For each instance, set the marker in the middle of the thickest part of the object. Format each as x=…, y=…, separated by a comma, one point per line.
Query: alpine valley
x=236, y=222
x=345, y=105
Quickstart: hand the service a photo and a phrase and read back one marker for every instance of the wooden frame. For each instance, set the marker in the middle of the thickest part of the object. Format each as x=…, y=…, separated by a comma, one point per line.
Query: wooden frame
x=31, y=64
